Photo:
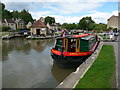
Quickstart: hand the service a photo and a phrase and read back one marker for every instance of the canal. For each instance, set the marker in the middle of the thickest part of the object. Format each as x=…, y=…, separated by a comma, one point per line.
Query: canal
x=28, y=64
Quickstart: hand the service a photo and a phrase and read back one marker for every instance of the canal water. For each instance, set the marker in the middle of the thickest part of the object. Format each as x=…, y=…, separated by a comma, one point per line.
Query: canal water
x=28, y=64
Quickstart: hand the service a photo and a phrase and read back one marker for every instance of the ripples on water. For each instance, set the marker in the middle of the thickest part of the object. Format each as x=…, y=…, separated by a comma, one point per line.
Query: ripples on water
x=27, y=63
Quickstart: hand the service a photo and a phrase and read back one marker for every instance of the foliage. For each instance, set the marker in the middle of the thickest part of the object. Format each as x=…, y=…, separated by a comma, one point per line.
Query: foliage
x=3, y=12
x=86, y=23
x=69, y=26
x=50, y=20
x=100, y=74
x=24, y=14
x=5, y=28
x=100, y=26
x=6, y=14
x=2, y=6
x=114, y=29
x=15, y=14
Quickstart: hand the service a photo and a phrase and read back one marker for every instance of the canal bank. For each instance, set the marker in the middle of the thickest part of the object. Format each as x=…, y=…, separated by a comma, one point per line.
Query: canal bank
x=72, y=80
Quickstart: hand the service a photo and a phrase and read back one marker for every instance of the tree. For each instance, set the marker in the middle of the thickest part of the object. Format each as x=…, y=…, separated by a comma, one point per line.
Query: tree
x=92, y=26
x=69, y=26
x=6, y=14
x=15, y=14
x=85, y=23
x=2, y=6
x=101, y=27
x=3, y=12
x=26, y=16
x=49, y=20
x=64, y=25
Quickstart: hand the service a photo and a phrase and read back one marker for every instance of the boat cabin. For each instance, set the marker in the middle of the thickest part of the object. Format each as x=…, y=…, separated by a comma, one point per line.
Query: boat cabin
x=76, y=43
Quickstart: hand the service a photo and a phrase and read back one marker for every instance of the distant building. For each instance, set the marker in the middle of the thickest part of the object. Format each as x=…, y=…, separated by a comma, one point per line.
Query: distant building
x=38, y=28
x=113, y=22
x=56, y=26
x=20, y=23
x=13, y=23
x=42, y=19
x=29, y=25
x=8, y=23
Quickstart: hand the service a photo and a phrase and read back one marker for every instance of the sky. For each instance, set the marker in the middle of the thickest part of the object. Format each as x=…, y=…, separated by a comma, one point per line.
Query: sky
x=66, y=11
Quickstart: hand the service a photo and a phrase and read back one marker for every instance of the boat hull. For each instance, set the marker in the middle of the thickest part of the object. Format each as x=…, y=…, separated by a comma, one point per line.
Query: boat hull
x=69, y=61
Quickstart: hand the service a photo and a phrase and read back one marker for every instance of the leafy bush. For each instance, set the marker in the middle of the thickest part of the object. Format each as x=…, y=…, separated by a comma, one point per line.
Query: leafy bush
x=6, y=28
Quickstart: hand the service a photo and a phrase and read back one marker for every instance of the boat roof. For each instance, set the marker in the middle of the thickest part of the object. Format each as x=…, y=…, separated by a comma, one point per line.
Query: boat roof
x=81, y=36
x=87, y=37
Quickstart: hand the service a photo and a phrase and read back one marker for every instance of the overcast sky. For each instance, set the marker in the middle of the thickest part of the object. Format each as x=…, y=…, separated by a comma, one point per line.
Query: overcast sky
x=70, y=11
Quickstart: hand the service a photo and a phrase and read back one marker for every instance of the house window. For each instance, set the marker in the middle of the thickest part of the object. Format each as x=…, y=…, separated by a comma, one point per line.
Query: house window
x=43, y=29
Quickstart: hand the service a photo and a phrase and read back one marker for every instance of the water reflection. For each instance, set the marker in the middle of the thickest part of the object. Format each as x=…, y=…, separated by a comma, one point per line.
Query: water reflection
x=27, y=63
x=22, y=45
x=61, y=73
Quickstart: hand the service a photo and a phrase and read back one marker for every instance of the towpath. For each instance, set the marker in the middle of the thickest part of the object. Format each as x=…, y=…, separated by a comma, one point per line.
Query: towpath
x=116, y=46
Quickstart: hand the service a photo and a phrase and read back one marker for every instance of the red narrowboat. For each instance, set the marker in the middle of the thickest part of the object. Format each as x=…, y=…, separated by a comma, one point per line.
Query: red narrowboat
x=74, y=49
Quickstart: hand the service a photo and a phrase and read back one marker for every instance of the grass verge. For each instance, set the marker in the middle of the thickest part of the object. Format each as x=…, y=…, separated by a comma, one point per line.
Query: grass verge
x=102, y=72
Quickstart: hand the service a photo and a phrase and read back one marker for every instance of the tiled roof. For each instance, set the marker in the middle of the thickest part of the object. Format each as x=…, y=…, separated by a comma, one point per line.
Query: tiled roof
x=18, y=20
x=55, y=24
x=2, y=20
x=112, y=17
x=10, y=21
x=38, y=24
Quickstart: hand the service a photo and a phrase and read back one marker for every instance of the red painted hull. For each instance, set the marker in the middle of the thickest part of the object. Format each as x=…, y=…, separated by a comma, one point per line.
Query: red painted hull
x=59, y=53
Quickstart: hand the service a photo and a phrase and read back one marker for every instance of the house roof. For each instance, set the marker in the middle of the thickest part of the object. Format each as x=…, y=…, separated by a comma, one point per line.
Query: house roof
x=38, y=24
x=10, y=21
x=7, y=21
x=112, y=17
x=30, y=22
x=55, y=24
x=18, y=20
x=58, y=24
x=2, y=20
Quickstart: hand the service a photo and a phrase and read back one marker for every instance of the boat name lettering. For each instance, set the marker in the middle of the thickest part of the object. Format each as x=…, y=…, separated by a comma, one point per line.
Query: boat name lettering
x=73, y=53
x=77, y=53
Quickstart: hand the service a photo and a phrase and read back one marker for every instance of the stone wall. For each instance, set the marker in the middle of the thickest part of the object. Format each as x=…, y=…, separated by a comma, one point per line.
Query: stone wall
x=113, y=22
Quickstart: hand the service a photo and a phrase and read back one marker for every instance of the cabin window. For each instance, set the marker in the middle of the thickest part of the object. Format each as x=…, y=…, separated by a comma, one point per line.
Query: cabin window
x=58, y=45
x=72, y=45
